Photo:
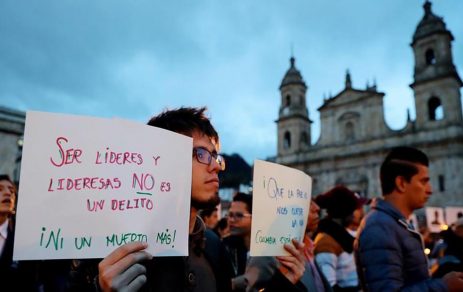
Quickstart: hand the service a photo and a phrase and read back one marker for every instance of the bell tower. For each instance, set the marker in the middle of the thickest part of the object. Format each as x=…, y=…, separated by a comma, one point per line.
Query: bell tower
x=293, y=118
x=436, y=82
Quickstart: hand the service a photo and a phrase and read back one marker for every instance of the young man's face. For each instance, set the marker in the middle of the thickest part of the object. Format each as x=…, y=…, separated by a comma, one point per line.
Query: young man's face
x=312, y=222
x=7, y=197
x=204, y=178
x=239, y=219
x=418, y=190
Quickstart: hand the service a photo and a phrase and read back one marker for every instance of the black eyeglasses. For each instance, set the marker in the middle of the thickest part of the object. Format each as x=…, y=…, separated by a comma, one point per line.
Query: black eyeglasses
x=204, y=156
x=237, y=215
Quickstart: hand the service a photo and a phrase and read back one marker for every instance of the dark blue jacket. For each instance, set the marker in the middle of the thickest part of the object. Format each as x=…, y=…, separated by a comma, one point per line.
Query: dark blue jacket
x=390, y=254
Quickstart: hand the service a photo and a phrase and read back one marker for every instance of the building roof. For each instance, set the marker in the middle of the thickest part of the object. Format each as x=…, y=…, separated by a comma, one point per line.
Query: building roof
x=349, y=91
x=292, y=76
x=12, y=115
x=429, y=24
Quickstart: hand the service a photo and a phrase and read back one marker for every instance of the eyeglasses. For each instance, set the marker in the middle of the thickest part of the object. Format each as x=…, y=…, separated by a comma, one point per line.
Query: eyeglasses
x=204, y=156
x=238, y=215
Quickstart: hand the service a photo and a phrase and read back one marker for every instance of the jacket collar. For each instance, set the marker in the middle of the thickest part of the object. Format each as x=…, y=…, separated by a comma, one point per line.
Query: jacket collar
x=388, y=208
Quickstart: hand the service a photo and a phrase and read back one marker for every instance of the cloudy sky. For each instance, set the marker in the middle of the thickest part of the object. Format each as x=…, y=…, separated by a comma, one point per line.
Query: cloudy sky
x=132, y=59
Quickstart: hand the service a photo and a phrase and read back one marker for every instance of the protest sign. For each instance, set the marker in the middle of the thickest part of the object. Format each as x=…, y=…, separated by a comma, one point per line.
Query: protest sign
x=452, y=214
x=435, y=219
x=281, y=198
x=89, y=185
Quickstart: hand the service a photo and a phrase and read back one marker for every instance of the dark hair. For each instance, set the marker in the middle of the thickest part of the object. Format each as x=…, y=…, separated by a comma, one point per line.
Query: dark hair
x=185, y=120
x=221, y=225
x=245, y=198
x=5, y=177
x=401, y=161
x=207, y=212
x=340, y=202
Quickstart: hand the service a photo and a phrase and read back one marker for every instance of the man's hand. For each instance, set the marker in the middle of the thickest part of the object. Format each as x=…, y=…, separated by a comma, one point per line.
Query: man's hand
x=293, y=266
x=121, y=270
x=454, y=281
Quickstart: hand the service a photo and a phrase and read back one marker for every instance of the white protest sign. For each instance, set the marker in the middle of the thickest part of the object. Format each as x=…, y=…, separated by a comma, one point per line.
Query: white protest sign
x=280, y=207
x=89, y=185
x=435, y=219
x=452, y=214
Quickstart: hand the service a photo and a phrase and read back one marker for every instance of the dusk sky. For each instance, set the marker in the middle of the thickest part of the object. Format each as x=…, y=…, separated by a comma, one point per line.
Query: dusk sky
x=132, y=59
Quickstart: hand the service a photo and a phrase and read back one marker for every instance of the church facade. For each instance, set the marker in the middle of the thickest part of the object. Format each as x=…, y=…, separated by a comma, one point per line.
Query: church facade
x=354, y=137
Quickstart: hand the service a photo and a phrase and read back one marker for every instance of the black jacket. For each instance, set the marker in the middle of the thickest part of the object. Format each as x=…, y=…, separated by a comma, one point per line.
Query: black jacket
x=207, y=268
x=193, y=273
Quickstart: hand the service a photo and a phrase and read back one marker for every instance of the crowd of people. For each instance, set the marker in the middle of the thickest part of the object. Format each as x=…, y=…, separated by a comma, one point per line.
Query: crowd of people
x=345, y=250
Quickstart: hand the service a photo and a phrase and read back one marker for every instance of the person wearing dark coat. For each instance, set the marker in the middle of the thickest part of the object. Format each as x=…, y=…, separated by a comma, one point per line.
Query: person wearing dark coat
x=14, y=275
x=207, y=267
x=389, y=252
x=452, y=259
x=131, y=268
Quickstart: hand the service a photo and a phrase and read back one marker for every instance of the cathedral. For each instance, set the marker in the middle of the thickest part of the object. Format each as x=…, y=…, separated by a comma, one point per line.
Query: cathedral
x=354, y=137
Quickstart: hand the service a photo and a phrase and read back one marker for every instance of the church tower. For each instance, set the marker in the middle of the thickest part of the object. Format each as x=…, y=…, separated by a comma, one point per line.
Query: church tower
x=436, y=82
x=293, y=118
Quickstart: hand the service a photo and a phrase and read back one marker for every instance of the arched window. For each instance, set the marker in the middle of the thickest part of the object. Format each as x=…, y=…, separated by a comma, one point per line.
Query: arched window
x=435, y=109
x=287, y=141
x=301, y=100
x=349, y=131
x=430, y=57
x=288, y=100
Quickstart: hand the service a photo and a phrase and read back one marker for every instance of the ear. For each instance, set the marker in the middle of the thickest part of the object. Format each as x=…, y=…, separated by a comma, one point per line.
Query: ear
x=400, y=184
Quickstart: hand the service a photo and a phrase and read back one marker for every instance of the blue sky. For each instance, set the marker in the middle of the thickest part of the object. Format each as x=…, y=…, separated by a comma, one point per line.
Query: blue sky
x=132, y=59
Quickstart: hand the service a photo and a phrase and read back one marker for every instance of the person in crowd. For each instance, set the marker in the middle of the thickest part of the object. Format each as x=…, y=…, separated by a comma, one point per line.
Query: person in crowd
x=260, y=270
x=238, y=244
x=221, y=228
x=14, y=275
x=210, y=217
x=452, y=259
x=428, y=239
x=8, y=268
x=207, y=267
x=313, y=279
x=334, y=242
x=239, y=222
x=389, y=252
x=353, y=222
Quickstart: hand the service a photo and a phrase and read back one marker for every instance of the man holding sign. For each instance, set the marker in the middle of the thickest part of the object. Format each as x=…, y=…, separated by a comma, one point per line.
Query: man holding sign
x=206, y=269
x=202, y=270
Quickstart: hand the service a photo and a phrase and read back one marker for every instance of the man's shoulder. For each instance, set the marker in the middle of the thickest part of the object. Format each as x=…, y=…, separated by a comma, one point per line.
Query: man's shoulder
x=213, y=245
x=377, y=223
x=379, y=217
